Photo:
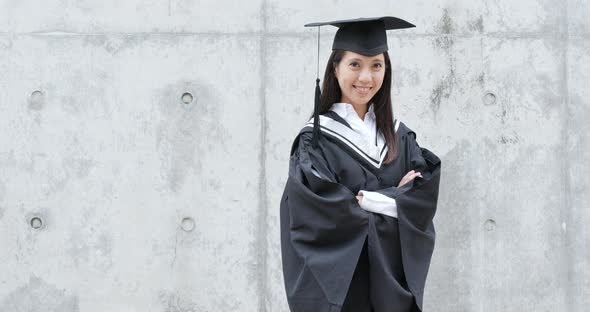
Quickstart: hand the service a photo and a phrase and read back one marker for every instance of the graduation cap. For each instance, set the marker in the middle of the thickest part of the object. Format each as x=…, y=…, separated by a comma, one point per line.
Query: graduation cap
x=364, y=36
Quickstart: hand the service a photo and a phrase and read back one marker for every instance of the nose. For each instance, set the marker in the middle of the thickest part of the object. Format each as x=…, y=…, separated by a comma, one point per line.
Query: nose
x=365, y=75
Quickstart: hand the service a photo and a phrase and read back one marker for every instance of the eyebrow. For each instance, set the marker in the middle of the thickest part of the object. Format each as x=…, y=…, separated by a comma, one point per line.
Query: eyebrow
x=359, y=60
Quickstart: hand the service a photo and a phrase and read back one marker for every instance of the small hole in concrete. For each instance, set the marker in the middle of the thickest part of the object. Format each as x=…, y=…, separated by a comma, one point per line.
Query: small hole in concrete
x=187, y=98
x=36, y=100
x=36, y=223
x=489, y=98
x=36, y=94
x=490, y=225
x=187, y=224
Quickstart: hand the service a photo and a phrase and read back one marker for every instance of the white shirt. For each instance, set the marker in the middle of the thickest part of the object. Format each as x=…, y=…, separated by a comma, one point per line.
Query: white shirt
x=367, y=128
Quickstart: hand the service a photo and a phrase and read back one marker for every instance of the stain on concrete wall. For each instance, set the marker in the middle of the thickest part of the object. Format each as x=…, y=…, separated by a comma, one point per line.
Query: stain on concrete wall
x=37, y=296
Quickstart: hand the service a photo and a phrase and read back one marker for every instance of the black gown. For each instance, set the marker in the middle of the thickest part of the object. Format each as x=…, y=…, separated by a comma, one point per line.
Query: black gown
x=338, y=257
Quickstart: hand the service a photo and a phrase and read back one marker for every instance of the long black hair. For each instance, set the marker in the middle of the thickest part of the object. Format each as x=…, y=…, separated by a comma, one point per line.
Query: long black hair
x=331, y=94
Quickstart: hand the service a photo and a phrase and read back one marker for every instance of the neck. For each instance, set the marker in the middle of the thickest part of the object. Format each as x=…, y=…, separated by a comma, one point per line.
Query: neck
x=360, y=109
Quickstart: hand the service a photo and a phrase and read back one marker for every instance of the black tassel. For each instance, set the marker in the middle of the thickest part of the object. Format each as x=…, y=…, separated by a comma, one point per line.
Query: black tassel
x=316, y=115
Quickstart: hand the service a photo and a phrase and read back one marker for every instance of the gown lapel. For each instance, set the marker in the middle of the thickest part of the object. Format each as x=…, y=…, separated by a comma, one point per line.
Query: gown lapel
x=373, y=154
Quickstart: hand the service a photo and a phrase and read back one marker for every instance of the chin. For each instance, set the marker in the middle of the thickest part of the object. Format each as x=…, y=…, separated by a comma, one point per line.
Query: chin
x=362, y=101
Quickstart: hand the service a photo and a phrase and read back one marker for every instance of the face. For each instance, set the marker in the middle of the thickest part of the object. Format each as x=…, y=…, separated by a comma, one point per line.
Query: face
x=360, y=77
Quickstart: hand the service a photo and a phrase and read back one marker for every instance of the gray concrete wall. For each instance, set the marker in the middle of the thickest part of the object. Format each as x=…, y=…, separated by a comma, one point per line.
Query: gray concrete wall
x=119, y=194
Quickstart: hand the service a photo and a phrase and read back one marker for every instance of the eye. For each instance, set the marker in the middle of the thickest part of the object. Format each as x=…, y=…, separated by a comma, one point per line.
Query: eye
x=354, y=64
x=378, y=65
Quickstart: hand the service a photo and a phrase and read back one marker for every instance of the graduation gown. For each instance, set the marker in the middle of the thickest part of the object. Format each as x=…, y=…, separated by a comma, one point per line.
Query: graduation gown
x=338, y=257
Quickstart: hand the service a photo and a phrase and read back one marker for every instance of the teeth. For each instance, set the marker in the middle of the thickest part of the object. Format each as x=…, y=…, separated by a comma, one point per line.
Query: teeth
x=363, y=89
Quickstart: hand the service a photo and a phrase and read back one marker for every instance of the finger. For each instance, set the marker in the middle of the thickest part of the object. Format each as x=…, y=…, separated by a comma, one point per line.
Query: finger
x=413, y=176
x=409, y=174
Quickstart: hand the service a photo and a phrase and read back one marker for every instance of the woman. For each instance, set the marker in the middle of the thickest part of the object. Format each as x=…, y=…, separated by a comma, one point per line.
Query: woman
x=356, y=214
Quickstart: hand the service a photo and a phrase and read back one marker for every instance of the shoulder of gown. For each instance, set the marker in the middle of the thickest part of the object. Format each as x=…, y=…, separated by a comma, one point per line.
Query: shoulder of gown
x=403, y=130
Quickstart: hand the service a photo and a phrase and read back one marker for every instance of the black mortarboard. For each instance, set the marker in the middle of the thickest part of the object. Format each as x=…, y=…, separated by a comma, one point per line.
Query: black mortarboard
x=364, y=36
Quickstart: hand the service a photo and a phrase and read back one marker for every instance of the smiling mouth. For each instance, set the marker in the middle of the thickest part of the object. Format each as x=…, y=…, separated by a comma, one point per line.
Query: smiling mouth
x=362, y=89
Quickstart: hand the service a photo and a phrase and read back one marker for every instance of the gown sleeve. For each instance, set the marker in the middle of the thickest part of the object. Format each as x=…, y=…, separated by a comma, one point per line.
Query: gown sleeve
x=378, y=203
x=416, y=206
x=323, y=231
x=416, y=161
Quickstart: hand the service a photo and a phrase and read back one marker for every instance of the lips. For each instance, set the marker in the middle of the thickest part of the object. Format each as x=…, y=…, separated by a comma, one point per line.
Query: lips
x=362, y=90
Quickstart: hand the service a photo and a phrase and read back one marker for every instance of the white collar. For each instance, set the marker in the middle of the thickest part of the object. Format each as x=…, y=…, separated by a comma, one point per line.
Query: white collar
x=373, y=154
x=345, y=110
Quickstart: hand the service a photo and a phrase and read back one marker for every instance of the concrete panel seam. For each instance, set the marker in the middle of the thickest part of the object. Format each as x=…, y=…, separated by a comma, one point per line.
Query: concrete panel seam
x=263, y=209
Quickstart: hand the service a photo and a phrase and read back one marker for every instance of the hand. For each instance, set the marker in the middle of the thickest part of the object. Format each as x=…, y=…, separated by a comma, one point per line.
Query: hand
x=409, y=177
x=360, y=198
